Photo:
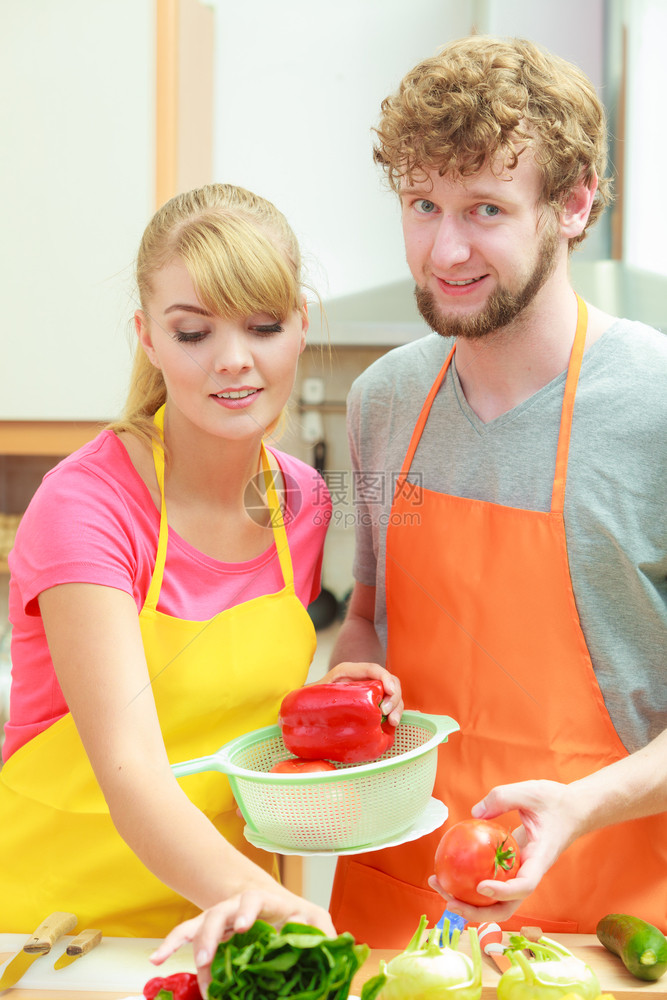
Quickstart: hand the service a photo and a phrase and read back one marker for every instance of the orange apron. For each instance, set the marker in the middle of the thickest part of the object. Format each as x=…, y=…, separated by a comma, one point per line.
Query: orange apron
x=483, y=626
x=212, y=681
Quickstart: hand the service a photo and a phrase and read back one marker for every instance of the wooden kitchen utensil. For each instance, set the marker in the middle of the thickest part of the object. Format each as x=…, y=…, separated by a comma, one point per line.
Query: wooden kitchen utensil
x=78, y=946
x=532, y=933
x=37, y=945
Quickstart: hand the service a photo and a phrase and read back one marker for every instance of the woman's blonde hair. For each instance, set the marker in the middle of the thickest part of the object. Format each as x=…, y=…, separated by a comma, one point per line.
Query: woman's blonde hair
x=243, y=258
x=481, y=97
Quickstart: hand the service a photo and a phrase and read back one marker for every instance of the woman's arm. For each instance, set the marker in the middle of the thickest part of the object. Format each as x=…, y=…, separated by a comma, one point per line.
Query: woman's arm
x=95, y=643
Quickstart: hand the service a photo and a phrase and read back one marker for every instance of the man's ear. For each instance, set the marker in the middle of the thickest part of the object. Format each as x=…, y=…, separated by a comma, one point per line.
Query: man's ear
x=577, y=207
x=142, y=328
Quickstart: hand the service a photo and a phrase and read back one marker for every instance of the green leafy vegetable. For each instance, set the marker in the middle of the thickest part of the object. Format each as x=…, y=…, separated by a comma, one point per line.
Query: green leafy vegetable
x=299, y=962
x=430, y=971
x=553, y=973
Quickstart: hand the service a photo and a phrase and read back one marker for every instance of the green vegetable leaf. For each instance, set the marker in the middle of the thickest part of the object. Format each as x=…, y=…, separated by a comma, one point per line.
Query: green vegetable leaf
x=299, y=962
x=371, y=988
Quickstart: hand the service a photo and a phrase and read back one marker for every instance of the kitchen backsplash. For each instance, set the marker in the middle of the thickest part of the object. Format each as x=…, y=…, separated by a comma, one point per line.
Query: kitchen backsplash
x=337, y=369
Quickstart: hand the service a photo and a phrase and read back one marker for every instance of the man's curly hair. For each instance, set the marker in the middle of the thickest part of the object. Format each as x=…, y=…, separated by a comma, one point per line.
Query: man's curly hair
x=483, y=97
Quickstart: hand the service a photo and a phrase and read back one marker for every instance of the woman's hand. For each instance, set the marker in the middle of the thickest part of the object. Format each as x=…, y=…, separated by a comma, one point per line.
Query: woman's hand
x=392, y=705
x=238, y=914
x=548, y=825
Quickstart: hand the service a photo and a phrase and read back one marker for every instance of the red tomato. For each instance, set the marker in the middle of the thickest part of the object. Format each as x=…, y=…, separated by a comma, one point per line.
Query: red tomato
x=471, y=851
x=299, y=765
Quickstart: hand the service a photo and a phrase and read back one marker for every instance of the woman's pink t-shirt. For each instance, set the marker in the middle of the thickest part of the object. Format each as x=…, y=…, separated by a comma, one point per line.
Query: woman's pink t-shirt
x=92, y=520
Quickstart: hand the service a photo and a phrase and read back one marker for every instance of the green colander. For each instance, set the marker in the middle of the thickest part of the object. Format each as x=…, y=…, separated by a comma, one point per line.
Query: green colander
x=351, y=808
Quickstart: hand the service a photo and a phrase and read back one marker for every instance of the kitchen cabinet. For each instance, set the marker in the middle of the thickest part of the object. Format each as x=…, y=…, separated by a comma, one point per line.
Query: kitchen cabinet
x=381, y=317
x=28, y=448
x=119, y=98
x=78, y=141
x=80, y=148
x=109, y=115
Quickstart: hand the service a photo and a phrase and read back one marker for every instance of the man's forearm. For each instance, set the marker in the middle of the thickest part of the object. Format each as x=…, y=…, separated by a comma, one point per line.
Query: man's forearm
x=357, y=642
x=632, y=787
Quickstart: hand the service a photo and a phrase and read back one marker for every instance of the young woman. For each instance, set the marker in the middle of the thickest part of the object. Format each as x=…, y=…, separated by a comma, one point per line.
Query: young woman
x=159, y=603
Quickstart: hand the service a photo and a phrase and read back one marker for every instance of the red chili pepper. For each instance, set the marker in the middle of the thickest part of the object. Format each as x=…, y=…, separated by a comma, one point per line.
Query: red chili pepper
x=181, y=986
x=342, y=722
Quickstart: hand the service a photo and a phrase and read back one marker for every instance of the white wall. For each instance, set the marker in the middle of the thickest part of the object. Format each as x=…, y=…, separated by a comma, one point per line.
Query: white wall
x=573, y=29
x=298, y=89
x=576, y=31
x=646, y=136
x=76, y=175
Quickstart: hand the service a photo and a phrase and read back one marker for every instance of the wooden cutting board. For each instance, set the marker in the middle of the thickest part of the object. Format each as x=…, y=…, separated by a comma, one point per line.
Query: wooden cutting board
x=119, y=966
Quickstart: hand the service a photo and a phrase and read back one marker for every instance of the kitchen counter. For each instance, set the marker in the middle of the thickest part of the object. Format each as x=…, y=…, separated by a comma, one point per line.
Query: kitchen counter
x=614, y=978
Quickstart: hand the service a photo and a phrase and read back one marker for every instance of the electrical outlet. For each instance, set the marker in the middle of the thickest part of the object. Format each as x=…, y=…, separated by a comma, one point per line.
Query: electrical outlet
x=312, y=426
x=312, y=391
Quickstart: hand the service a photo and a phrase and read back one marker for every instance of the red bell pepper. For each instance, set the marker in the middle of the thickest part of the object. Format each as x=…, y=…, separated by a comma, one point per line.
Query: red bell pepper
x=180, y=986
x=341, y=722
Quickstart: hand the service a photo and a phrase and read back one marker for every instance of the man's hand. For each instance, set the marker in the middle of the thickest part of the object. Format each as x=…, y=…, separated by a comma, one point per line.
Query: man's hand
x=392, y=705
x=549, y=824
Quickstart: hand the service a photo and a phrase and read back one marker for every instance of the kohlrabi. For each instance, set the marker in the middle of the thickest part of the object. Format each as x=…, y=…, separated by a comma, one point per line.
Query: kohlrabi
x=430, y=971
x=552, y=973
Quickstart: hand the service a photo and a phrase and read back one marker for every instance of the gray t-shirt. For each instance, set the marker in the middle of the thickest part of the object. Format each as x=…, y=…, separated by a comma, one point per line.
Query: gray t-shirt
x=614, y=513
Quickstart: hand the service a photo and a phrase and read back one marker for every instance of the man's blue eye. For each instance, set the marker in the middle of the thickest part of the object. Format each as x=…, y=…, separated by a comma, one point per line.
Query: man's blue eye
x=488, y=211
x=425, y=206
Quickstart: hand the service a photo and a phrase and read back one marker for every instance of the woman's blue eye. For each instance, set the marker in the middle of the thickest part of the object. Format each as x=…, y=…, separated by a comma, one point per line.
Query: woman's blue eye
x=488, y=211
x=424, y=206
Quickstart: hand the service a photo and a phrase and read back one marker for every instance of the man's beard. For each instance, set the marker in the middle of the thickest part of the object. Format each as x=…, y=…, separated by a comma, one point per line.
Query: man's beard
x=503, y=305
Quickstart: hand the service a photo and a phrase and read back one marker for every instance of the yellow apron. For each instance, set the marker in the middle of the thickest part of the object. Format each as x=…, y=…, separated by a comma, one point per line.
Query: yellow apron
x=212, y=681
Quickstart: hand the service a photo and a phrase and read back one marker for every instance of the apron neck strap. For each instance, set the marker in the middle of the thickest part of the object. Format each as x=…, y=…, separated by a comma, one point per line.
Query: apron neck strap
x=574, y=367
x=421, y=422
x=150, y=604
x=277, y=523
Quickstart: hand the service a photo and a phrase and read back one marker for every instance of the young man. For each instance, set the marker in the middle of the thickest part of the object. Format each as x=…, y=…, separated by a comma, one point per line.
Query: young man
x=520, y=585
